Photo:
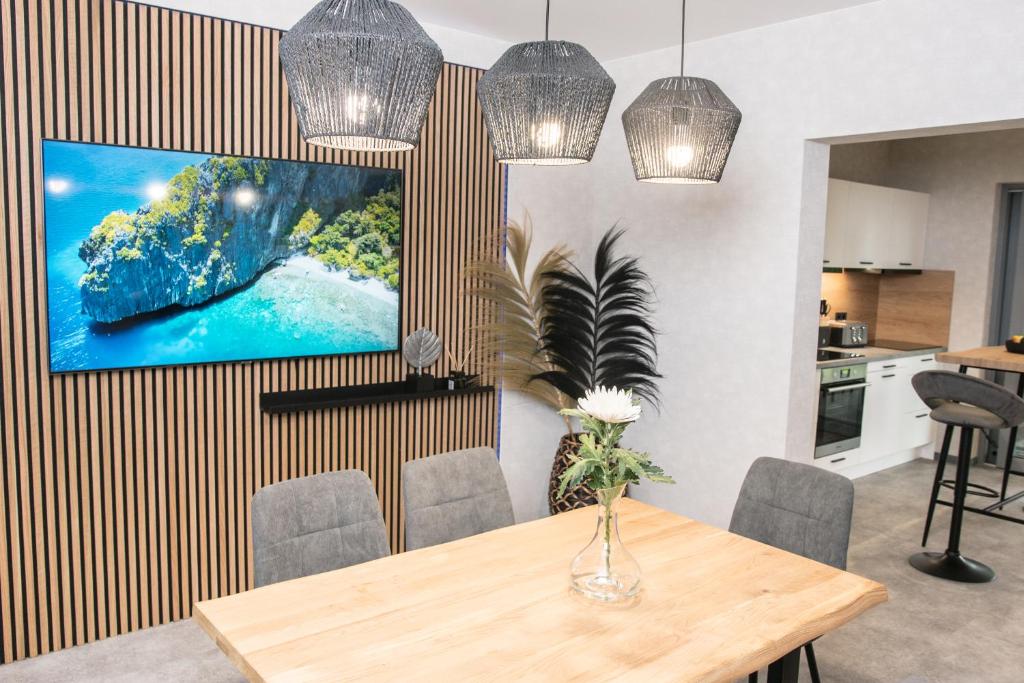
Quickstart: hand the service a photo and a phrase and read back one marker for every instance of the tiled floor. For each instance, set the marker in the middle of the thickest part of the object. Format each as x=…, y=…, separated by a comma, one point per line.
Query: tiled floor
x=931, y=631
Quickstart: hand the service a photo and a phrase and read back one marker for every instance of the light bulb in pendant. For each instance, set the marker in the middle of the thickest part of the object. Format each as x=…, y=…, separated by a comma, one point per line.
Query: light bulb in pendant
x=355, y=108
x=547, y=135
x=679, y=156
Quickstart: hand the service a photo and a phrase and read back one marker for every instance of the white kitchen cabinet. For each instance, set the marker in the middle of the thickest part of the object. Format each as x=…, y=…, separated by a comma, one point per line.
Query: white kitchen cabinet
x=837, y=223
x=882, y=411
x=869, y=226
x=910, y=223
x=895, y=422
x=909, y=400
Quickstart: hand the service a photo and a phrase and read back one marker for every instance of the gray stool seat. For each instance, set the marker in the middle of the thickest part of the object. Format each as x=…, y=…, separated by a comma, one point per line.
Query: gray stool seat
x=964, y=401
x=959, y=400
x=452, y=496
x=315, y=524
x=963, y=415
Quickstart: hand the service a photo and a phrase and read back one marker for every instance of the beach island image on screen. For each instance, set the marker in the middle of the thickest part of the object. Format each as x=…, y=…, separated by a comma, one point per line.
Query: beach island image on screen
x=164, y=258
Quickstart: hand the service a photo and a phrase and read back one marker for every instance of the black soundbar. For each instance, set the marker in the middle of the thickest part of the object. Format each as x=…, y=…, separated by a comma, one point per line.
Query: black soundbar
x=276, y=402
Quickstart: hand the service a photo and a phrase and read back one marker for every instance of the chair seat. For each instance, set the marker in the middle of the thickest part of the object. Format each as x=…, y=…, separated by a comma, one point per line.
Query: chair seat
x=963, y=415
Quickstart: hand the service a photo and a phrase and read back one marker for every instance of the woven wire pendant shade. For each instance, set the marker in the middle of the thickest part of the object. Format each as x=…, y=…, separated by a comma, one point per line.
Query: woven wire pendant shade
x=545, y=103
x=361, y=74
x=681, y=130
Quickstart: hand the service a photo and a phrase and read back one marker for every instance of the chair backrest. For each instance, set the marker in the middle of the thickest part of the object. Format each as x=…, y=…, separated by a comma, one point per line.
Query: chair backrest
x=454, y=495
x=800, y=508
x=315, y=524
x=937, y=387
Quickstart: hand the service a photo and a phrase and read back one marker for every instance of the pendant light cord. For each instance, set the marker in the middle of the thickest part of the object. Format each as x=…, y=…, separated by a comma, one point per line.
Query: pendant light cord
x=682, y=41
x=547, y=21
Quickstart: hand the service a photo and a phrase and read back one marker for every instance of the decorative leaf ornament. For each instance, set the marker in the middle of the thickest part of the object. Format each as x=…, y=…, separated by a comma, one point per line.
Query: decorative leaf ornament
x=421, y=349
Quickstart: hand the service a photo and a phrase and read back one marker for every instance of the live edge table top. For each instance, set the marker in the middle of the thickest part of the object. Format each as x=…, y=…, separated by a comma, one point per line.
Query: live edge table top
x=714, y=607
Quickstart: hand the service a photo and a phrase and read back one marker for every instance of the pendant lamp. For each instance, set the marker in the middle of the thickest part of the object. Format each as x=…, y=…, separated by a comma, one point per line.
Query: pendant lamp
x=361, y=74
x=545, y=102
x=681, y=129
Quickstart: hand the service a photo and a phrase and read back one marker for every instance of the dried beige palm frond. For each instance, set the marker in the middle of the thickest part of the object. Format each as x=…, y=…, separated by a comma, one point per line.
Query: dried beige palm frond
x=510, y=339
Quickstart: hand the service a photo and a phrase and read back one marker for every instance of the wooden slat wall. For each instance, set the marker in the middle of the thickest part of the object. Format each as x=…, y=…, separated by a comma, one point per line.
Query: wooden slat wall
x=125, y=495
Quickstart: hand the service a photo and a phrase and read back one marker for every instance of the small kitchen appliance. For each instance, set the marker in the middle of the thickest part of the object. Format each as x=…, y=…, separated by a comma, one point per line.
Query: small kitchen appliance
x=849, y=333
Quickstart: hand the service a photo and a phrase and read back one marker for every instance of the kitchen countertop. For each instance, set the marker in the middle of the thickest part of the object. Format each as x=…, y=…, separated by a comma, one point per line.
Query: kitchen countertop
x=873, y=354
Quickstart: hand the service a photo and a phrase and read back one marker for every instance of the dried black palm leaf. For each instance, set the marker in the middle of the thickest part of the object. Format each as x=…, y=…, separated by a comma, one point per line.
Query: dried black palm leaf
x=598, y=333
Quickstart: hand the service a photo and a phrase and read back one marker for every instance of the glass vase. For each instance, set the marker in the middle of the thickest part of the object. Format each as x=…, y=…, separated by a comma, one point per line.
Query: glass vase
x=604, y=571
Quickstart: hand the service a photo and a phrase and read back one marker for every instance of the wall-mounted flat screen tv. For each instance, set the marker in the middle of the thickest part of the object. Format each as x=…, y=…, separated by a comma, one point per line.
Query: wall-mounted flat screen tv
x=159, y=258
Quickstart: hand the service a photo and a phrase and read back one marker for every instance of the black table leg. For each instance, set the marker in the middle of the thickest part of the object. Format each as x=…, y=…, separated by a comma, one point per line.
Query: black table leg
x=785, y=670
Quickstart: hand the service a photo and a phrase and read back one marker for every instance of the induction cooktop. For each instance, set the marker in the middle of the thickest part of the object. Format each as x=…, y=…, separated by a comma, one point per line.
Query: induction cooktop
x=824, y=355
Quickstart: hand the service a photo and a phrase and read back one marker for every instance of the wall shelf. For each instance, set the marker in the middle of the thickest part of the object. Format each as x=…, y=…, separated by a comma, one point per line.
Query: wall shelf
x=278, y=402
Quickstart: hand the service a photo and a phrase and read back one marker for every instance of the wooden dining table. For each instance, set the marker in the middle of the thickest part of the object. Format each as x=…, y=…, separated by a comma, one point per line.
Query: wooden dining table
x=714, y=606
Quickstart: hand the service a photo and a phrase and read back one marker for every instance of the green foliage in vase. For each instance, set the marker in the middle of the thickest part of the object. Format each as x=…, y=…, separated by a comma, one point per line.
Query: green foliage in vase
x=604, y=466
x=602, y=463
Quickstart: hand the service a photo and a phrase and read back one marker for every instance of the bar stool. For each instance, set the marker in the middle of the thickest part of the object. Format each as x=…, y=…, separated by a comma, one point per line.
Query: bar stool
x=969, y=403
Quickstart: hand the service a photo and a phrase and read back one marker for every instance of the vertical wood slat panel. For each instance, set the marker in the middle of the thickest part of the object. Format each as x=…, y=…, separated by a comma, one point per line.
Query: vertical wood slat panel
x=125, y=494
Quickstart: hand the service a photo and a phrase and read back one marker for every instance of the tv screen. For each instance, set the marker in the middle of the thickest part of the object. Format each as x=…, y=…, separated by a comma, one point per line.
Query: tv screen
x=158, y=258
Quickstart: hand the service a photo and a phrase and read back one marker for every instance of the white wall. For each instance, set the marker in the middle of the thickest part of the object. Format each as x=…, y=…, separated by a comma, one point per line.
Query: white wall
x=737, y=265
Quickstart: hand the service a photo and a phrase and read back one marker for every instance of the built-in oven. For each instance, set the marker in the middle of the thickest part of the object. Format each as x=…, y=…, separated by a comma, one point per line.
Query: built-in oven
x=840, y=409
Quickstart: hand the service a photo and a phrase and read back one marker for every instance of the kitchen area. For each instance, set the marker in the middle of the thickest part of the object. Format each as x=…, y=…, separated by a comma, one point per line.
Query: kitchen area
x=922, y=255
x=883, y=318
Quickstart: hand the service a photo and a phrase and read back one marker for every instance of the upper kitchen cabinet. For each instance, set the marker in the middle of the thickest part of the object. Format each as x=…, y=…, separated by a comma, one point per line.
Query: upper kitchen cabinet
x=868, y=226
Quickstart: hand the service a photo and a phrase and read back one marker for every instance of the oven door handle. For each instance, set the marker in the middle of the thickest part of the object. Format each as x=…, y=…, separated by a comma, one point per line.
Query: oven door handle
x=850, y=387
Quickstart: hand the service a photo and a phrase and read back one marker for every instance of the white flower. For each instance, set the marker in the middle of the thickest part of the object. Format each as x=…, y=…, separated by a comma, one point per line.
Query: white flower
x=610, y=405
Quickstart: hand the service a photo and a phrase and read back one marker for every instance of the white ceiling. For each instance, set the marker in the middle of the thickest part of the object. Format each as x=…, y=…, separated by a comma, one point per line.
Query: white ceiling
x=615, y=28
x=609, y=28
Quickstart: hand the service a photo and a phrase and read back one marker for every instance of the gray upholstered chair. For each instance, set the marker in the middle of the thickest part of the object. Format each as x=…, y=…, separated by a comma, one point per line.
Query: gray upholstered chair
x=454, y=495
x=959, y=400
x=799, y=508
x=315, y=524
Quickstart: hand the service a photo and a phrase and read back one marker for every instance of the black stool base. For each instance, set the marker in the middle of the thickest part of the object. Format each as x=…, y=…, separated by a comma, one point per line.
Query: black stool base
x=952, y=566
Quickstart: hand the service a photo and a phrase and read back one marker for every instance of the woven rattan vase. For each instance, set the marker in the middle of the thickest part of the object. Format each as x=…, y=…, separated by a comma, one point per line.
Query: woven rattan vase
x=580, y=497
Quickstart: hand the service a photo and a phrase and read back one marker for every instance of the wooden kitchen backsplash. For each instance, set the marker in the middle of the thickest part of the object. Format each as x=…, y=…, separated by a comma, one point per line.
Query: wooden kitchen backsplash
x=915, y=308
x=911, y=307
x=124, y=495
x=854, y=293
